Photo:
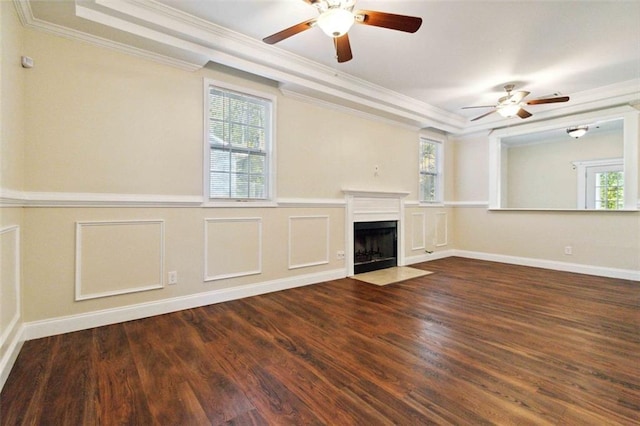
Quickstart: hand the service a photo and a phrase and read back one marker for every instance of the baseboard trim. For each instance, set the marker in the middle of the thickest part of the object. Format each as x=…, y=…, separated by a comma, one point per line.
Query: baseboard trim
x=10, y=355
x=426, y=257
x=67, y=324
x=625, y=274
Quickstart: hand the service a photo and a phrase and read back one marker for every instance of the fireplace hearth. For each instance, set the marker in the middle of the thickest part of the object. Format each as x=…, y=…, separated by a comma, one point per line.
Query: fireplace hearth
x=375, y=245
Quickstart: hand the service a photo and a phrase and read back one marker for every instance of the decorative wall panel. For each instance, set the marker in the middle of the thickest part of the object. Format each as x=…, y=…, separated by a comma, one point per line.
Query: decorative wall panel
x=308, y=241
x=118, y=257
x=442, y=238
x=9, y=280
x=417, y=231
x=233, y=247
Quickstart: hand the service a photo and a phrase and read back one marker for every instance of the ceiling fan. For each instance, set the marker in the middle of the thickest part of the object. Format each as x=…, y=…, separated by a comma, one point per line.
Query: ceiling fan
x=512, y=104
x=336, y=18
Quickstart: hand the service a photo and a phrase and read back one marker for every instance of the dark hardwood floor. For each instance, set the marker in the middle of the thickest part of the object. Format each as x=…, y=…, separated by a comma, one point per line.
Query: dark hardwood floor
x=474, y=343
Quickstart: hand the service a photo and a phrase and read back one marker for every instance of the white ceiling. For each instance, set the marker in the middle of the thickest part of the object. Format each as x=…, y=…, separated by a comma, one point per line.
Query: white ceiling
x=463, y=54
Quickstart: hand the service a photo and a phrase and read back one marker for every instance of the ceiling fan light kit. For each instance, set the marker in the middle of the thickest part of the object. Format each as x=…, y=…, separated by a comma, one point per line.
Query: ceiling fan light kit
x=512, y=104
x=336, y=22
x=336, y=19
x=509, y=110
x=578, y=131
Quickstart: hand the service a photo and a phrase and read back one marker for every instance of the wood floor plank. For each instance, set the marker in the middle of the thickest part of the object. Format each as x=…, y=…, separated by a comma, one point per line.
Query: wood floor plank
x=217, y=394
x=119, y=396
x=475, y=342
x=28, y=381
x=170, y=398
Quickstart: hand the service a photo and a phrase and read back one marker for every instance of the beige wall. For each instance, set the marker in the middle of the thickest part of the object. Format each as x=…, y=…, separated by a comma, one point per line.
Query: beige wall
x=11, y=174
x=603, y=239
x=103, y=122
x=12, y=101
x=468, y=170
x=322, y=151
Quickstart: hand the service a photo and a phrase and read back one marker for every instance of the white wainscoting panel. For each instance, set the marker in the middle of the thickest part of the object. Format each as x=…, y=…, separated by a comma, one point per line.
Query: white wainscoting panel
x=232, y=247
x=308, y=241
x=9, y=281
x=417, y=231
x=118, y=257
x=442, y=236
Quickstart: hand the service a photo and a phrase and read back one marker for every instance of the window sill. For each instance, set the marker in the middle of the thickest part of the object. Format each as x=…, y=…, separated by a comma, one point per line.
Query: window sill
x=240, y=204
x=431, y=204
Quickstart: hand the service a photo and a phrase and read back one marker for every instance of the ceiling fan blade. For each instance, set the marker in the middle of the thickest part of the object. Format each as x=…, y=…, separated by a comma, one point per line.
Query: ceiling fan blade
x=483, y=115
x=479, y=106
x=548, y=100
x=343, y=48
x=409, y=24
x=524, y=114
x=288, y=32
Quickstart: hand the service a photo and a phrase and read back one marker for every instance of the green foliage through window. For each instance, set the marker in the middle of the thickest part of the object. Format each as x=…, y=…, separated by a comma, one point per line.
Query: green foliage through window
x=429, y=170
x=609, y=190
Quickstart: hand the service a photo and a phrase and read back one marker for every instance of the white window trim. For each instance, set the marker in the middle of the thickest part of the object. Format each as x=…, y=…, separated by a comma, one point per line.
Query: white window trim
x=271, y=176
x=439, y=201
x=581, y=170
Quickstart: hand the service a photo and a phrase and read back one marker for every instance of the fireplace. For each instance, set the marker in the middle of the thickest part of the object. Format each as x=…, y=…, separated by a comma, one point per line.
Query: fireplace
x=375, y=245
x=373, y=207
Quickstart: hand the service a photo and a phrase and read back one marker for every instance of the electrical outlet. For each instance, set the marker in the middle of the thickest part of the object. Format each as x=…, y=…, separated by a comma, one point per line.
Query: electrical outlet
x=568, y=250
x=340, y=255
x=173, y=277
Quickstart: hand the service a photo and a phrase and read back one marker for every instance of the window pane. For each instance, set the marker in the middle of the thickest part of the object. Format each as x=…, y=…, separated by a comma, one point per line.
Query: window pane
x=609, y=190
x=428, y=187
x=428, y=160
x=238, y=128
x=217, y=132
x=219, y=185
x=255, y=115
x=429, y=170
x=240, y=162
x=256, y=164
x=255, y=138
x=239, y=185
x=216, y=104
x=220, y=160
x=257, y=186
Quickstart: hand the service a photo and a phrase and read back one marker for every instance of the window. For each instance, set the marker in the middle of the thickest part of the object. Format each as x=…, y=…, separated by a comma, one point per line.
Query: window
x=239, y=133
x=600, y=184
x=431, y=182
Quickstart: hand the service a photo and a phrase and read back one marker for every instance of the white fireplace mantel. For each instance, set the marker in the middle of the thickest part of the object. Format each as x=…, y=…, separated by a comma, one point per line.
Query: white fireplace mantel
x=372, y=206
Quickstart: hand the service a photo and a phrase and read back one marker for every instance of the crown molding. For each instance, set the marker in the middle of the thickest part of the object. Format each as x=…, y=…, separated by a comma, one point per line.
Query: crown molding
x=25, y=14
x=185, y=36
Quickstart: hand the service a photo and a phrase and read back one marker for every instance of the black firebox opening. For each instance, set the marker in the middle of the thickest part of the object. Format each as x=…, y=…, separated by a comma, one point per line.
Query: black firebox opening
x=375, y=245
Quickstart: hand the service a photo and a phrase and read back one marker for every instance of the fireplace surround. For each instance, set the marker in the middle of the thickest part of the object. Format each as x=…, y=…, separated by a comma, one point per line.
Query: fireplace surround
x=373, y=207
